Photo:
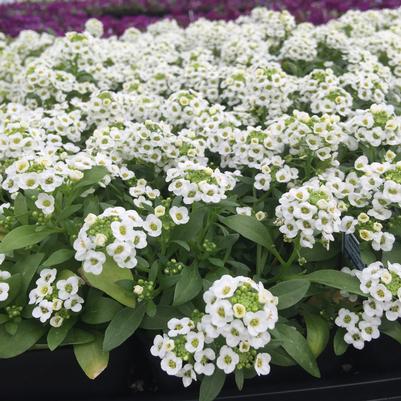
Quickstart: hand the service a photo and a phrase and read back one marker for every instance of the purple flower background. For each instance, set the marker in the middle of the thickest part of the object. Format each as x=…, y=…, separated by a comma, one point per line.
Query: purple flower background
x=117, y=15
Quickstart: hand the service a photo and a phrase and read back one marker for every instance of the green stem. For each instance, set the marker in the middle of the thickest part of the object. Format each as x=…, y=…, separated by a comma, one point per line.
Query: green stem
x=293, y=255
x=308, y=167
x=277, y=255
x=163, y=247
x=211, y=218
x=259, y=266
x=263, y=260
x=261, y=257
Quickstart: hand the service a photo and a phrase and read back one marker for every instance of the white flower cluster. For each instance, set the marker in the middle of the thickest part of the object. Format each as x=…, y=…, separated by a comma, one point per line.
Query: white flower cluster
x=377, y=126
x=313, y=136
x=55, y=298
x=147, y=142
x=195, y=182
x=373, y=192
x=238, y=316
x=47, y=172
x=308, y=212
x=143, y=194
x=269, y=91
x=323, y=91
x=383, y=288
x=116, y=233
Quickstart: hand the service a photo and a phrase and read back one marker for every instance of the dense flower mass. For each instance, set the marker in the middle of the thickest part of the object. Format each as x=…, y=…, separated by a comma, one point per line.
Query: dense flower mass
x=208, y=181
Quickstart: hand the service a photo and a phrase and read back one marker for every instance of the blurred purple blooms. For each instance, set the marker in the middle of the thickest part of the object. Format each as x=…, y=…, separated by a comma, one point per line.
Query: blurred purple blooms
x=59, y=16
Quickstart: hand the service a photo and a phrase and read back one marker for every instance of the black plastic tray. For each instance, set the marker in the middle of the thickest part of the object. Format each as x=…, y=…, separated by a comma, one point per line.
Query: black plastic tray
x=370, y=375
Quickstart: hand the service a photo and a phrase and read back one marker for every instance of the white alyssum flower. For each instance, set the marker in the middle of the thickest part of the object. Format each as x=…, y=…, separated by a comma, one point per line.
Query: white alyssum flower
x=188, y=374
x=67, y=288
x=179, y=215
x=204, y=359
x=262, y=362
x=227, y=359
x=43, y=311
x=171, y=364
x=45, y=203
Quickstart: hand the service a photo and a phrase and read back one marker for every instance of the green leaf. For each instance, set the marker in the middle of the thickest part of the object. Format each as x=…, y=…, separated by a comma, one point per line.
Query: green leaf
x=151, y=309
x=280, y=357
x=92, y=176
x=188, y=286
x=211, y=385
x=15, y=283
x=100, y=310
x=182, y=244
x=368, y=255
x=11, y=327
x=226, y=241
x=167, y=281
x=58, y=257
x=336, y=279
x=84, y=76
x=108, y=280
x=65, y=274
x=154, y=271
x=395, y=228
x=24, y=236
x=91, y=357
x=189, y=231
x=78, y=336
x=159, y=321
x=339, y=345
x=319, y=253
x=214, y=275
x=91, y=205
x=28, y=333
x=3, y=318
x=57, y=335
x=68, y=211
x=249, y=228
x=240, y=269
x=391, y=329
x=27, y=267
x=216, y=262
x=297, y=347
x=394, y=256
x=143, y=264
x=239, y=378
x=290, y=292
x=122, y=326
x=317, y=332
x=186, y=309
x=21, y=209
